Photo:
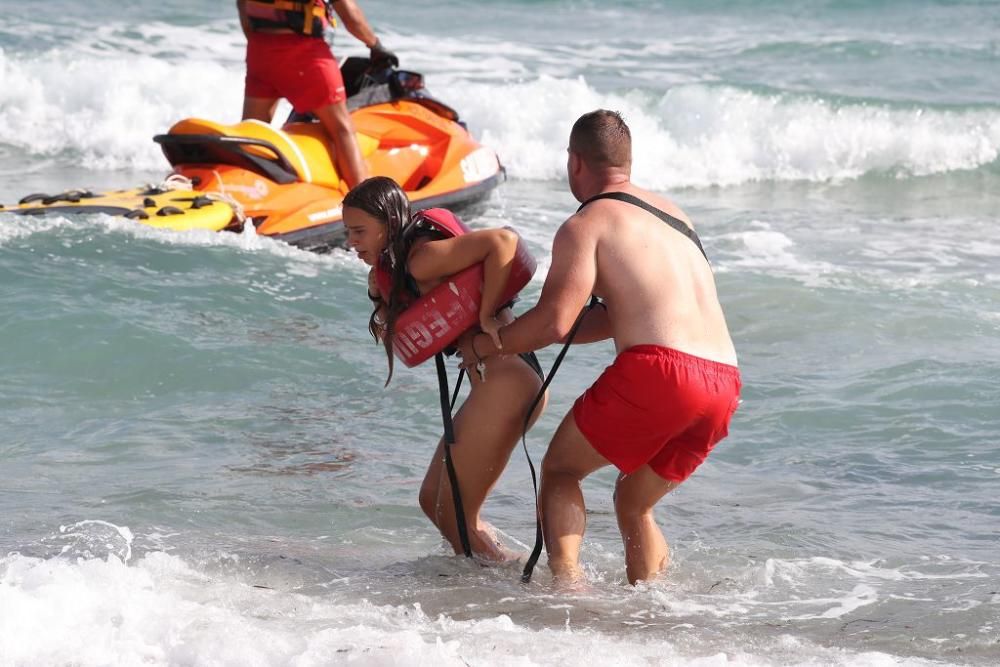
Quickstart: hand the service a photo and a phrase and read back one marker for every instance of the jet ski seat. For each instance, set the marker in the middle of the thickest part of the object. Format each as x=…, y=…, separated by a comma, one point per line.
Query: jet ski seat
x=299, y=152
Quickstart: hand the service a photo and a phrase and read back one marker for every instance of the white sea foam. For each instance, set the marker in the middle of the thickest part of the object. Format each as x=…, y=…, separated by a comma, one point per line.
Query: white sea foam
x=700, y=135
x=104, y=108
x=301, y=262
x=107, y=109
x=162, y=610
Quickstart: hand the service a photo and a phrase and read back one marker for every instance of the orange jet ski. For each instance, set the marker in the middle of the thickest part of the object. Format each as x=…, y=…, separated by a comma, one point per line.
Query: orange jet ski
x=285, y=181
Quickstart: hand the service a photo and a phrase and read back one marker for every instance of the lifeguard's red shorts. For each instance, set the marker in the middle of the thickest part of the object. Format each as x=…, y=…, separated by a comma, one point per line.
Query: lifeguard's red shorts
x=301, y=69
x=659, y=406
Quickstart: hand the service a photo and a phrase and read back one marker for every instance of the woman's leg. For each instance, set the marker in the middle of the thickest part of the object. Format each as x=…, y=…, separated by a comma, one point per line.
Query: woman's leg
x=432, y=480
x=487, y=428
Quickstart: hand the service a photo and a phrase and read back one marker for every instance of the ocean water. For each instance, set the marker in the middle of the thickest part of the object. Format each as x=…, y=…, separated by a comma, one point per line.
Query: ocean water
x=199, y=464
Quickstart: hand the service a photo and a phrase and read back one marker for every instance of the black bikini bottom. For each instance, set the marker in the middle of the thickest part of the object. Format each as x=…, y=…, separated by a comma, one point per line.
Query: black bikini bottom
x=532, y=361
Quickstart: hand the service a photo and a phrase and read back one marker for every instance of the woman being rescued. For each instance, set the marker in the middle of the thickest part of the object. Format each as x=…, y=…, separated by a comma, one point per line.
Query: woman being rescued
x=414, y=258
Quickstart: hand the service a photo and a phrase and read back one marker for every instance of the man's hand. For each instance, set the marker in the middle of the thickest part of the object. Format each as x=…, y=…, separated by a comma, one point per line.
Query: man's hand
x=381, y=57
x=491, y=328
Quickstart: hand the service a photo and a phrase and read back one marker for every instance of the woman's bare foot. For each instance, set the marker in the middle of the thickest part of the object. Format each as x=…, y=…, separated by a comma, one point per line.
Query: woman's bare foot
x=490, y=550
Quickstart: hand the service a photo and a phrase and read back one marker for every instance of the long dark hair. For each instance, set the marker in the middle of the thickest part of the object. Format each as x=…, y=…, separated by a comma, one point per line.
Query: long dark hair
x=381, y=198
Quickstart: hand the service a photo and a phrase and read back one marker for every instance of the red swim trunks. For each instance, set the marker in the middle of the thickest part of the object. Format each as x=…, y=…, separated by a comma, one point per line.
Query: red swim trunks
x=301, y=69
x=659, y=406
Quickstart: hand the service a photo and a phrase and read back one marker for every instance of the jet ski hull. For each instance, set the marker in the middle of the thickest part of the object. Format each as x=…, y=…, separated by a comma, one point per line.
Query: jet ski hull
x=285, y=181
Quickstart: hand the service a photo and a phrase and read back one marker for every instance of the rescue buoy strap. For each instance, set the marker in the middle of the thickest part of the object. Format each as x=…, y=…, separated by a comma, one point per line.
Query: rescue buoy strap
x=649, y=208
x=449, y=440
x=536, y=551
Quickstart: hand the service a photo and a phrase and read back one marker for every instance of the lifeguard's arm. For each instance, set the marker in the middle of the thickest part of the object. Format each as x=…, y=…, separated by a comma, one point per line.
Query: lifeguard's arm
x=244, y=20
x=567, y=288
x=495, y=248
x=355, y=21
x=596, y=326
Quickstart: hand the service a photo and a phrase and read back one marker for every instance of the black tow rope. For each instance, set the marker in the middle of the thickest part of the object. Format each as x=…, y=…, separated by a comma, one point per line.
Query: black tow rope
x=449, y=440
x=536, y=551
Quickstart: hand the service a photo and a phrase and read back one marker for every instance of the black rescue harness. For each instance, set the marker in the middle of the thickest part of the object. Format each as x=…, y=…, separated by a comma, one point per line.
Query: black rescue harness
x=673, y=222
x=649, y=208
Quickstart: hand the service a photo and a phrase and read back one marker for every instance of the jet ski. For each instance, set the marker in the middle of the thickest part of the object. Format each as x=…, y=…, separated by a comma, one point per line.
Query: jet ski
x=285, y=181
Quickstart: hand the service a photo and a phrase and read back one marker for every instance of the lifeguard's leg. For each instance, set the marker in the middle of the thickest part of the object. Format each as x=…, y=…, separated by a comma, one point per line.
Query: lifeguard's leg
x=337, y=122
x=568, y=460
x=259, y=108
x=646, y=550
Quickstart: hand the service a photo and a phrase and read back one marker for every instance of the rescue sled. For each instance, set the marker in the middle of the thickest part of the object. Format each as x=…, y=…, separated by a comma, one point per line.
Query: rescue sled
x=285, y=181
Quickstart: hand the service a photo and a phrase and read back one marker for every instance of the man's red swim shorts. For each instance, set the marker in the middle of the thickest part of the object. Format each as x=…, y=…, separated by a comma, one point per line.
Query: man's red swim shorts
x=301, y=69
x=659, y=406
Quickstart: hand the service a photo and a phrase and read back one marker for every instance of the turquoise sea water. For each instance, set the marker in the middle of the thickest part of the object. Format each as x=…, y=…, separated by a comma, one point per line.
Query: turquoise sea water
x=199, y=464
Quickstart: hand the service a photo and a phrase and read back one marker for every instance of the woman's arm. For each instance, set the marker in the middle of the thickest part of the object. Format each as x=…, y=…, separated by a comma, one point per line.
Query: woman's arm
x=495, y=248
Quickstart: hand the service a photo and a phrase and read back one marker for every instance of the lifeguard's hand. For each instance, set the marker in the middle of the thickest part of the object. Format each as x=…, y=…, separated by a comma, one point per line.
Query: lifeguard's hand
x=382, y=57
x=465, y=350
x=491, y=328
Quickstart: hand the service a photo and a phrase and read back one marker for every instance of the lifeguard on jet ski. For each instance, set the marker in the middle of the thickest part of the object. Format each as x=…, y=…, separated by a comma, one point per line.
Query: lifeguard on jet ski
x=285, y=181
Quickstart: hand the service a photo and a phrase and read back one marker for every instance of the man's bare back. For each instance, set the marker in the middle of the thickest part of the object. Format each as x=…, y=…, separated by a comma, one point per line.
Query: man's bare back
x=655, y=283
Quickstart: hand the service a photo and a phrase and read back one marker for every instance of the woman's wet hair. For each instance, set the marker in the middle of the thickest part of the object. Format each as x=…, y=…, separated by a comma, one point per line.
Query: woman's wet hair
x=383, y=199
x=602, y=139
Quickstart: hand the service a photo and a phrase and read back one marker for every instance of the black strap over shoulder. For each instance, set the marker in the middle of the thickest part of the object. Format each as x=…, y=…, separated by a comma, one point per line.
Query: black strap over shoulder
x=649, y=208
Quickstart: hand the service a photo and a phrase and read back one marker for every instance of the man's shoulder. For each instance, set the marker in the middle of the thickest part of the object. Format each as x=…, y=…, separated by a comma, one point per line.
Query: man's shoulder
x=579, y=225
x=576, y=233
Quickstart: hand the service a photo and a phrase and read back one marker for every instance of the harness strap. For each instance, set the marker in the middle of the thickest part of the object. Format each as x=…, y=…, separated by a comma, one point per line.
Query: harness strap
x=649, y=208
x=536, y=551
x=449, y=440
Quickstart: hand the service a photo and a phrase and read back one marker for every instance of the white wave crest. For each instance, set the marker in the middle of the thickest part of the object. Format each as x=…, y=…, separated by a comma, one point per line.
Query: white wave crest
x=700, y=135
x=102, y=108
x=107, y=110
x=164, y=611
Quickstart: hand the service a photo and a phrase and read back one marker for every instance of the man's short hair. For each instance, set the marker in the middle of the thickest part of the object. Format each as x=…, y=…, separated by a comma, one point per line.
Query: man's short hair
x=602, y=139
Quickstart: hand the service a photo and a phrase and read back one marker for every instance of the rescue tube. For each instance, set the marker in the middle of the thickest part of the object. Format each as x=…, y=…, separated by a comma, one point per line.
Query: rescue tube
x=435, y=320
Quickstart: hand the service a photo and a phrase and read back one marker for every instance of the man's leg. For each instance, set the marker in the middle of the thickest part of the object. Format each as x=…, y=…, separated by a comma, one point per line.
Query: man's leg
x=337, y=121
x=259, y=108
x=646, y=551
x=568, y=460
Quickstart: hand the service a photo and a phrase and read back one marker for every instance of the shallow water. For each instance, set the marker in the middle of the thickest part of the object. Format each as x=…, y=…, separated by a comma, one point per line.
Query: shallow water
x=200, y=464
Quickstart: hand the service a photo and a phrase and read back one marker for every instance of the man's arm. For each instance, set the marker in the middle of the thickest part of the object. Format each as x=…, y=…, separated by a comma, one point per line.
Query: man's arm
x=596, y=326
x=567, y=288
x=355, y=21
x=244, y=21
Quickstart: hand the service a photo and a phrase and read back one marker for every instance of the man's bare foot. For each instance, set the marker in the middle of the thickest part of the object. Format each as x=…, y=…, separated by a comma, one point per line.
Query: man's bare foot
x=568, y=578
x=575, y=583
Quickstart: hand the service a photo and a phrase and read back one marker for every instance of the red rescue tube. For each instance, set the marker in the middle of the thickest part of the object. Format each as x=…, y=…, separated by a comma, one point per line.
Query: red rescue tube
x=436, y=320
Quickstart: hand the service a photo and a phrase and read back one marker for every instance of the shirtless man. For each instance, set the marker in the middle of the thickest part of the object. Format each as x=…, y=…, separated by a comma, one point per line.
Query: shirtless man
x=667, y=399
